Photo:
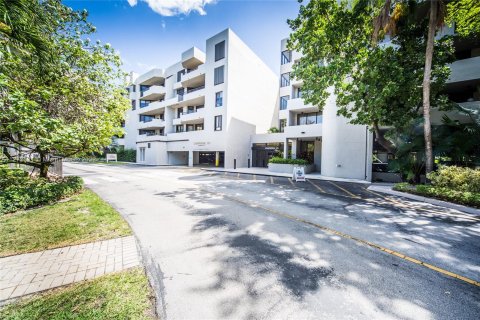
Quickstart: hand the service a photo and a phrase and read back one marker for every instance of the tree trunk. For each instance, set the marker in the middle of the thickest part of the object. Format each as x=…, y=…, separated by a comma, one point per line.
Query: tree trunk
x=427, y=127
x=43, y=165
x=380, y=138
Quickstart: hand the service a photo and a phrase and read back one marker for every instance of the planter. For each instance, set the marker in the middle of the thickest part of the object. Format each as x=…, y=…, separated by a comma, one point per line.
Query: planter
x=288, y=168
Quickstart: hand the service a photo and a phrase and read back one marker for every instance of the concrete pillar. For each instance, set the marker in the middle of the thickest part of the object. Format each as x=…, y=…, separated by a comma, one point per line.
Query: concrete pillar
x=285, y=149
x=190, y=158
x=294, y=148
x=217, y=159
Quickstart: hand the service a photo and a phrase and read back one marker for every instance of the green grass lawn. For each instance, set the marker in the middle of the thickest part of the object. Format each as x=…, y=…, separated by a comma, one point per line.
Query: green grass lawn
x=124, y=295
x=80, y=219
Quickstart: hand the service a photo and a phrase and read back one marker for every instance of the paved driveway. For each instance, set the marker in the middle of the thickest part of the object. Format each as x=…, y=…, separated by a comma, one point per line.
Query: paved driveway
x=251, y=247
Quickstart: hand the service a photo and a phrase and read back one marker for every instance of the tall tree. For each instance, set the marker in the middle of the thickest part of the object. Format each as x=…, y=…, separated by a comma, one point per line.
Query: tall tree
x=73, y=104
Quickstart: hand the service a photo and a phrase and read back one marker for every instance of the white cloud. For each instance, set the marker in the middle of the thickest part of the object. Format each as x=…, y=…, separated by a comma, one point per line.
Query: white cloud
x=175, y=7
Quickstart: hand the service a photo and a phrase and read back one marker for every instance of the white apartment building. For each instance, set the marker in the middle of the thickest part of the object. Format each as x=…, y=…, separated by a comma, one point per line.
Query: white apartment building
x=203, y=109
x=337, y=148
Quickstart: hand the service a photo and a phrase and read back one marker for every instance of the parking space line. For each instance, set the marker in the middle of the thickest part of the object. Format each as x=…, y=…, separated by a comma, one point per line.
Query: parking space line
x=271, y=180
x=318, y=187
x=354, y=238
x=345, y=190
x=254, y=177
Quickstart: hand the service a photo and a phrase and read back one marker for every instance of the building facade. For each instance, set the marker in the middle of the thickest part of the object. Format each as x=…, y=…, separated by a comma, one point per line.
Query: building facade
x=203, y=109
x=335, y=147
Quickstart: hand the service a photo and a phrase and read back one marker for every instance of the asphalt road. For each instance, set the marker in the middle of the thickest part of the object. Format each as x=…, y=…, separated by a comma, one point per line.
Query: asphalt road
x=229, y=246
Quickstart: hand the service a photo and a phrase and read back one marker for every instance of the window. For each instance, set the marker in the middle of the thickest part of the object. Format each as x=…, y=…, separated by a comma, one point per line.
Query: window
x=309, y=118
x=286, y=57
x=199, y=127
x=220, y=51
x=190, y=127
x=285, y=80
x=283, y=124
x=218, y=75
x=147, y=132
x=219, y=99
x=133, y=105
x=144, y=118
x=142, y=154
x=134, y=88
x=179, y=112
x=179, y=128
x=297, y=92
x=284, y=102
x=144, y=103
x=179, y=75
x=218, y=123
x=149, y=145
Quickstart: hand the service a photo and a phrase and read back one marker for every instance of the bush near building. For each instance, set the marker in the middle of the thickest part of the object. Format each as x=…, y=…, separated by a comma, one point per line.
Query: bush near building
x=449, y=183
x=20, y=191
x=127, y=155
x=279, y=160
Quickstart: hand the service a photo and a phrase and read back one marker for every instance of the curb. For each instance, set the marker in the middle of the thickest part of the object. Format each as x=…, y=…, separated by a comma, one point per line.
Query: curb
x=271, y=174
x=445, y=204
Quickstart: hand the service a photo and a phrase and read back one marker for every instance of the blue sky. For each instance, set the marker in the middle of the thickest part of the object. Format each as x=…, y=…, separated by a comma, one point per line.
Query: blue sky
x=148, y=38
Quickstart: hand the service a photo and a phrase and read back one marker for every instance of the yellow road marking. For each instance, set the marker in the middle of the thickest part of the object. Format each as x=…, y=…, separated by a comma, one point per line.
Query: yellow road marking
x=344, y=190
x=318, y=187
x=356, y=239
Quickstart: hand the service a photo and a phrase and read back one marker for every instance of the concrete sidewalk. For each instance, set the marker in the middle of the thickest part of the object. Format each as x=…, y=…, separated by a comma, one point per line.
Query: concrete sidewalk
x=34, y=272
x=265, y=172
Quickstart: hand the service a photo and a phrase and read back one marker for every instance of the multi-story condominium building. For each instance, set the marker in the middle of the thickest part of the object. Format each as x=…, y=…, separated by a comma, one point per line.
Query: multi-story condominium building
x=337, y=148
x=203, y=109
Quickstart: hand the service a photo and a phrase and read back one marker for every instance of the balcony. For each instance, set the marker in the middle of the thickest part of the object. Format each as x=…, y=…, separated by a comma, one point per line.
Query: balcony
x=464, y=70
x=192, y=58
x=177, y=85
x=193, y=97
x=154, y=123
x=153, y=93
x=152, y=77
x=177, y=121
x=151, y=138
x=153, y=108
x=194, y=78
x=298, y=105
x=305, y=131
x=193, y=117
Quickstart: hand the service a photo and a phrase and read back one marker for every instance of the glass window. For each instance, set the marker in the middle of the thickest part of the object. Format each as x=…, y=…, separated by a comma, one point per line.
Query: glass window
x=133, y=105
x=179, y=128
x=190, y=127
x=220, y=51
x=309, y=118
x=144, y=103
x=134, y=88
x=218, y=75
x=144, y=118
x=284, y=102
x=285, y=80
x=142, y=154
x=283, y=124
x=199, y=126
x=286, y=56
x=219, y=99
x=218, y=123
x=179, y=75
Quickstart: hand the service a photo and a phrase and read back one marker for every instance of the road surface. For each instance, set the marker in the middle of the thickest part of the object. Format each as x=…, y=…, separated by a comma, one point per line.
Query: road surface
x=232, y=246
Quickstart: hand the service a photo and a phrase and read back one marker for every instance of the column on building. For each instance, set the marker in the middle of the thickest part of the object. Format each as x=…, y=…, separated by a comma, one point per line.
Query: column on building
x=190, y=158
x=294, y=148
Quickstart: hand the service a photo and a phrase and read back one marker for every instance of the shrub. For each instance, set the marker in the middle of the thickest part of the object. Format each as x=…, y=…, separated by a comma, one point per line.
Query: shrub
x=456, y=196
x=456, y=178
x=279, y=160
x=128, y=155
x=19, y=191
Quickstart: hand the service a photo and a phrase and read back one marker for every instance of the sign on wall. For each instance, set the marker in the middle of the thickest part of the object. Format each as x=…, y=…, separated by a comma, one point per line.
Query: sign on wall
x=299, y=173
x=111, y=156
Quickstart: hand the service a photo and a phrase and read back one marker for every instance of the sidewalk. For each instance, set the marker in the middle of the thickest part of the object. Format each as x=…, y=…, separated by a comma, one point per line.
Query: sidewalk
x=34, y=272
x=265, y=172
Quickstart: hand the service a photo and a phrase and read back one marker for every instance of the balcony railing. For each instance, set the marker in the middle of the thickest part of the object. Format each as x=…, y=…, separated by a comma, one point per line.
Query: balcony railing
x=195, y=89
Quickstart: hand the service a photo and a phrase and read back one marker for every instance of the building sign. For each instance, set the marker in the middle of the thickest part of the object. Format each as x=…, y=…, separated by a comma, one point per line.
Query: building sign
x=111, y=156
x=299, y=173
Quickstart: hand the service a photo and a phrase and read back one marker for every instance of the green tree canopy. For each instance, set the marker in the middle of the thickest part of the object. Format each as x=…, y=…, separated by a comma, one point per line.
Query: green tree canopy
x=69, y=104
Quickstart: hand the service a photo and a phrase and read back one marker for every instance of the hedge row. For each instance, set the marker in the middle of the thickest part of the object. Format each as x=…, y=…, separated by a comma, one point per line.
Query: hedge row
x=19, y=191
x=456, y=178
x=279, y=160
x=471, y=199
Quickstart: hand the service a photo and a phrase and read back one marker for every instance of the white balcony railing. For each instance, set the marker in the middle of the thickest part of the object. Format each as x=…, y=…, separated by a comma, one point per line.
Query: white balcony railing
x=150, y=138
x=464, y=70
x=298, y=105
x=154, y=123
x=196, y=116
x=153, y=93
x=306, y=130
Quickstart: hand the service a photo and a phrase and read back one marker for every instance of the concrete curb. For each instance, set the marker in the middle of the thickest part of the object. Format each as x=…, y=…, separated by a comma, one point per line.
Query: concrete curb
x=445, y=204
x=284, y=175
